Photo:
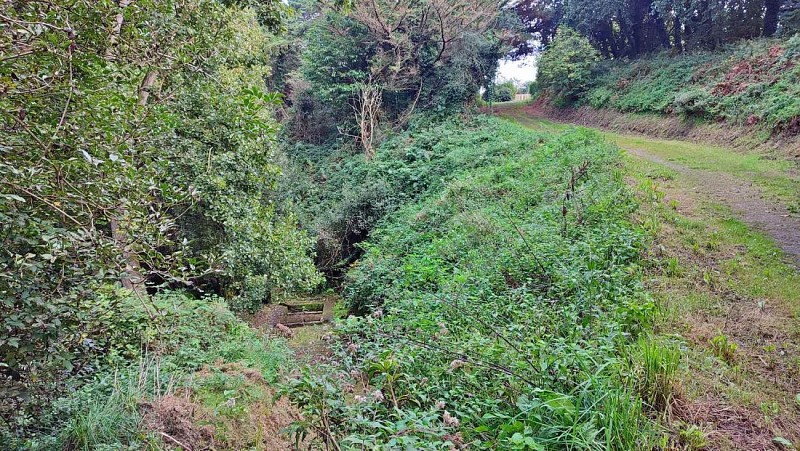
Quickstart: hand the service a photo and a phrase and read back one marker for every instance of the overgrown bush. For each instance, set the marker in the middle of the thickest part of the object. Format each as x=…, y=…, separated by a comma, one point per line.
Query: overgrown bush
x=534, y=89
x=503, y=92
x=152, y=348
x=694, y=103
x=598, y=98
x=429, y=62
x=565, y=69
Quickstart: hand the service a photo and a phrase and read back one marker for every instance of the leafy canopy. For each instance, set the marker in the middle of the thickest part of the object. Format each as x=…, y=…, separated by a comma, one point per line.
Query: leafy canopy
x=565, y=68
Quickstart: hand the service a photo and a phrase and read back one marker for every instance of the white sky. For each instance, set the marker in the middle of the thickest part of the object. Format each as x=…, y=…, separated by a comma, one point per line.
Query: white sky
x=523, y=70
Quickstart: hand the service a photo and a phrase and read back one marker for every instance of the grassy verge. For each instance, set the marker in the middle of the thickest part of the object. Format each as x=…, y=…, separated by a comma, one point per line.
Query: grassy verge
x=778, y=178
x=724, y=292
x=728, y=294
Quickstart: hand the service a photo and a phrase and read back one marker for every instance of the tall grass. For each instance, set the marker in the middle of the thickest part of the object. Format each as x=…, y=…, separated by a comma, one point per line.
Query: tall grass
x=657, y=364
x=161, y=354
x=108, y=419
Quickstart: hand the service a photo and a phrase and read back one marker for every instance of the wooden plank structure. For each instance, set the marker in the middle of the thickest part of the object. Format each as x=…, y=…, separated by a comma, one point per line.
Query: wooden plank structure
x=298, y=313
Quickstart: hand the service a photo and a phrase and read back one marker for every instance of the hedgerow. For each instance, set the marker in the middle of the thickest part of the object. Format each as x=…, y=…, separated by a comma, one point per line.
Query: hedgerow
x=499, y=302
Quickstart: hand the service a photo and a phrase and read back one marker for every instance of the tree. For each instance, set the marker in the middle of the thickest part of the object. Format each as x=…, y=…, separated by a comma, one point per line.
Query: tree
x=140, y=153
x=384, y=59
x=771, y=11
x=631, y=28
x=540, y=19
x=502, y=92
x=565, y=68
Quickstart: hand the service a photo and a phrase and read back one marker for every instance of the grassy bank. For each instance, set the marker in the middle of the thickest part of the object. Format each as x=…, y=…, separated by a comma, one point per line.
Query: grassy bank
x=504, y=304
x=752, y=83
x=724, y=291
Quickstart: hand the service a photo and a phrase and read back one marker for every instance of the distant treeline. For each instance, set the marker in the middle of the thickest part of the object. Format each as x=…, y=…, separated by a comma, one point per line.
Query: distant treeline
x=631, y=28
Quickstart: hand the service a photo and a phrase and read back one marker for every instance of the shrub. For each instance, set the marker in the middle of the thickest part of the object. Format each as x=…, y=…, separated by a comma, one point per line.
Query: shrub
x=694, y=102
x=599, y=97
x=565, y=69
x=534, y=89
x=503, y=94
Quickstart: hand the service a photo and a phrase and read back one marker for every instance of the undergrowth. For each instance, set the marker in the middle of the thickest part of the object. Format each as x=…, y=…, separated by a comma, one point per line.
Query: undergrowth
x=156, y=348
x=755, y=82
x=501, y=301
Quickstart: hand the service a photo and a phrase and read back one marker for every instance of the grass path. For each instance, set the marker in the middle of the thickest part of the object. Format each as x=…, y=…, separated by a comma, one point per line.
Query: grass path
x=763, y=193
x=725, y=229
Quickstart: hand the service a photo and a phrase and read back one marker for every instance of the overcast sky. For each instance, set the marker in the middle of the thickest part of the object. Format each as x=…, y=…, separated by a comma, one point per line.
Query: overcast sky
x=523, y=70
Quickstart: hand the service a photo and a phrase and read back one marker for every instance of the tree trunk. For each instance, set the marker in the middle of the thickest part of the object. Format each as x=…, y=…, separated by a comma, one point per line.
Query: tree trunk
x=773, y=8
x=367, y=111
x=660, y=29
x=133, y=279
x=116, y=30
x=676, y=34
x=146, y=86
x=639, y=10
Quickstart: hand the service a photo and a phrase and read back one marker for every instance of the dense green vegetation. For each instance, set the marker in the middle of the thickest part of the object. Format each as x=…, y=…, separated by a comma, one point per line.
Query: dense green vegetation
x=695, y=59
x=500, y=92
x=503, y=298
x=751, y=83
x=153, y=358
x=360, y=72
x=756, y=82
x=138, y=154
x=566, y=68
x=170, y=169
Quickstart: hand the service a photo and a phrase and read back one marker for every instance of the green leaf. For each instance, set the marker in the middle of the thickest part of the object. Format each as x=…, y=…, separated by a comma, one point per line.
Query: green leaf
x=14, y=197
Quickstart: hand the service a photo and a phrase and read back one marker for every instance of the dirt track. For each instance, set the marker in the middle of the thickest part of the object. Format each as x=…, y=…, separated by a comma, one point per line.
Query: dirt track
x=745, y=199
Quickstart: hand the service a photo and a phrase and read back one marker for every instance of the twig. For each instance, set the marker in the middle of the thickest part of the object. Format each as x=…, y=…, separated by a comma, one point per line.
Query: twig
x=51, y=205
x=66, y=105
x=188, y=448
x=43, y=24
x=496, y=333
